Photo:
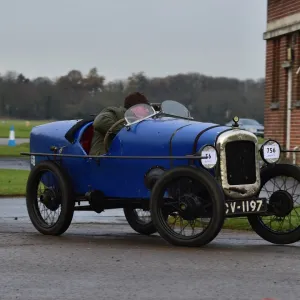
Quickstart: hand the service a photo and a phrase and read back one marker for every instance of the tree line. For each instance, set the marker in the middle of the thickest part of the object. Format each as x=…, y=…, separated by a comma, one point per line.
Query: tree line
x=75, y=95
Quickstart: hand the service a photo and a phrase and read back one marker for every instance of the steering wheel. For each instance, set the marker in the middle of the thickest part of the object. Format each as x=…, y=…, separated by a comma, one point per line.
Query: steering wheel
x=109, y=132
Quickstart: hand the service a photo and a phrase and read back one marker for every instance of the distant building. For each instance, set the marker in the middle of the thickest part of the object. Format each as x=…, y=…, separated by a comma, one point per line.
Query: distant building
x=282, y=96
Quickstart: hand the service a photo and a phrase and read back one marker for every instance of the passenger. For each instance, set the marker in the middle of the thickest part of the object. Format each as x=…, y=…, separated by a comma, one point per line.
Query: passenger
x=108, y=117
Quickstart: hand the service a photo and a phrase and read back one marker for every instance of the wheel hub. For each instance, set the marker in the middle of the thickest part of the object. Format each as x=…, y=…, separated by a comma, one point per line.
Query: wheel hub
x=281, y=203
x=189, y=207
x=50, y=199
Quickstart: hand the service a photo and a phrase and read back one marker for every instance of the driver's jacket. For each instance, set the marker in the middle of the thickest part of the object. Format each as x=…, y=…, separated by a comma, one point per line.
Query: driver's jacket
x=106, y=118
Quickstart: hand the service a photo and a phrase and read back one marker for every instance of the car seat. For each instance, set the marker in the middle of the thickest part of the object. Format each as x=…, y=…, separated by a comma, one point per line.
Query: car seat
x=86, y=138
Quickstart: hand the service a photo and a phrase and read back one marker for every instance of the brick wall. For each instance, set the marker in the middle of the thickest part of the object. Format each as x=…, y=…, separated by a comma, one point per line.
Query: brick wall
x=276, y=90
x=282, y=8
x=276, y=76
x=295, y=115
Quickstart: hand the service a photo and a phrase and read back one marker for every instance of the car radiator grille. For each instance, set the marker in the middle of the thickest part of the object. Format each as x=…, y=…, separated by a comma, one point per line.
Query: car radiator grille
x=240, y=162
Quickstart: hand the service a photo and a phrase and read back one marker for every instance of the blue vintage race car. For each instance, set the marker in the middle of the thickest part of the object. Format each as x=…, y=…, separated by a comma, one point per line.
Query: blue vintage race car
x=188, y=175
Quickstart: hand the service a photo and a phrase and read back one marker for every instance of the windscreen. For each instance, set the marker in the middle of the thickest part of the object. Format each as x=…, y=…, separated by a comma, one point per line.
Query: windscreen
x=175, y=108
x=138, y=112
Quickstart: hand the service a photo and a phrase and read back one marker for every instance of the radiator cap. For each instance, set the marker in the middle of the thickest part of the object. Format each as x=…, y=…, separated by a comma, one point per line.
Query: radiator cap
x=235, y=121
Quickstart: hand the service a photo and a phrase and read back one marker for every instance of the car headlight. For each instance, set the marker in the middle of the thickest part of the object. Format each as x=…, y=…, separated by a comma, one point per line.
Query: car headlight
x=270, y=152
x=211, y=156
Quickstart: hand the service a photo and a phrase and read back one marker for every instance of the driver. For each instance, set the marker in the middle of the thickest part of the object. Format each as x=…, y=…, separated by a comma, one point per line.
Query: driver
x=108, y=117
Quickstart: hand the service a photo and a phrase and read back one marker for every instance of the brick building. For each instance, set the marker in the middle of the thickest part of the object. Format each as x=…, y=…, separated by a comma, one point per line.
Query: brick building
x=282, y=91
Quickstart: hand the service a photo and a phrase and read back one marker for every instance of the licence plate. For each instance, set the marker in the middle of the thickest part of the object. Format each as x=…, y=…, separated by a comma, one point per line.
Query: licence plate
x=245, y=206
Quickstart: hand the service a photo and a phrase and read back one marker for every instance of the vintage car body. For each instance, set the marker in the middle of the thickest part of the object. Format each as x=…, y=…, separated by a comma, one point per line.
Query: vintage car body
x=178, y=138
x=140, y=160
x=144, y=139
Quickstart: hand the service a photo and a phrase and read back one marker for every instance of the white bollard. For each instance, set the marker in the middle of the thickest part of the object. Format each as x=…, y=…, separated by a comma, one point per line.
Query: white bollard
x=12, y=139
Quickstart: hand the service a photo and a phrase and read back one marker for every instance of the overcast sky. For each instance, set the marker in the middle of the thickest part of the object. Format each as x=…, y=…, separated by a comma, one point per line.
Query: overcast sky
x=159, y=37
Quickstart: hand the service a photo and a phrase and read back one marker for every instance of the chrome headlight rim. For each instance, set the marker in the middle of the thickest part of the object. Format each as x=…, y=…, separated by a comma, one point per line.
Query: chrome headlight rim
x=211, y=162
x=270, y=145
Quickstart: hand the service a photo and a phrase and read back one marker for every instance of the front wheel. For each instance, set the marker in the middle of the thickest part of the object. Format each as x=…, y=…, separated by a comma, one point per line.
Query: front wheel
x=188, y=196
x=49, y=199
x=140, y=220
x=280, y=184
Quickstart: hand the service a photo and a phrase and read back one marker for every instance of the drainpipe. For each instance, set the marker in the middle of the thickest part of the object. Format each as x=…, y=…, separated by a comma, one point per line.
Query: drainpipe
x=289, y=108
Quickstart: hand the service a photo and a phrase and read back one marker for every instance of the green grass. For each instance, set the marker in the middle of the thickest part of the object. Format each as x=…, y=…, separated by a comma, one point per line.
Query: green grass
x=13, y=182
x=230, y=223
x=289, y=222
x=22, y=128
x=260, y=140
x=7, y=151
x=237, y=224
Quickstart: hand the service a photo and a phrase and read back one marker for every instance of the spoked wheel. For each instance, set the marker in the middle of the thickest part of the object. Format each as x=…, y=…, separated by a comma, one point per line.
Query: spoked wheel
x=50, y=202
x=280, y=184
x=194, y=203
x=140, y=220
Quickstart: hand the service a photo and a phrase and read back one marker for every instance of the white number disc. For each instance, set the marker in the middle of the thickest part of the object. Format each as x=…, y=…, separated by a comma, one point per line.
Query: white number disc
x=271, y=151
x=211, y=157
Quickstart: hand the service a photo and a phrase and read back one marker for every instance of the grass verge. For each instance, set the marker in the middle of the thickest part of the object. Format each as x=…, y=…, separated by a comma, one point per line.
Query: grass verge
x=237, y=224
x=260, y=140
x=13, y=182
x=230, y=223
x=22, y=127
x=287, y=224
x=7, y=151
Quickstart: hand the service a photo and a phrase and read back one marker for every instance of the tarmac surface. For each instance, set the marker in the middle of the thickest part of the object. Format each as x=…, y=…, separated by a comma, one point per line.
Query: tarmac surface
x=108, y=260
x=4, y=141
x=15, y=163
x=101, y=257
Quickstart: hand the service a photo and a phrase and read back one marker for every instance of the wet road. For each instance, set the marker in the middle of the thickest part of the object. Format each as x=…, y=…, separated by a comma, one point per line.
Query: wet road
x=4, y=141
x=101, y=257
x=14, y=163
x=12, y=210
x=110, y=261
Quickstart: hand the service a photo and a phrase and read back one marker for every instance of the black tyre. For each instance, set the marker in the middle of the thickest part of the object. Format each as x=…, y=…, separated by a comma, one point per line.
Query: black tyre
x=280, y=184
x=141, y=224
x=192, y=194
x=54, y=196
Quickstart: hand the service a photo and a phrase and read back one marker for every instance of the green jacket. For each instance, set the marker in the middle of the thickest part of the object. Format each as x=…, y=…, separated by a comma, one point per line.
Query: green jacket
x=106, y=118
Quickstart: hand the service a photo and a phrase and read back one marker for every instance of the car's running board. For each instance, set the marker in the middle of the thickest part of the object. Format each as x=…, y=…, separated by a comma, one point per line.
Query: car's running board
x=113, y=156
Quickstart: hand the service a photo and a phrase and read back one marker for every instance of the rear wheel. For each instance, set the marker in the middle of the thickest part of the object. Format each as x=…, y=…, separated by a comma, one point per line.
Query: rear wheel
x=194, y=203
x=140, y=220
x=49, y=199
x=280, y=184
